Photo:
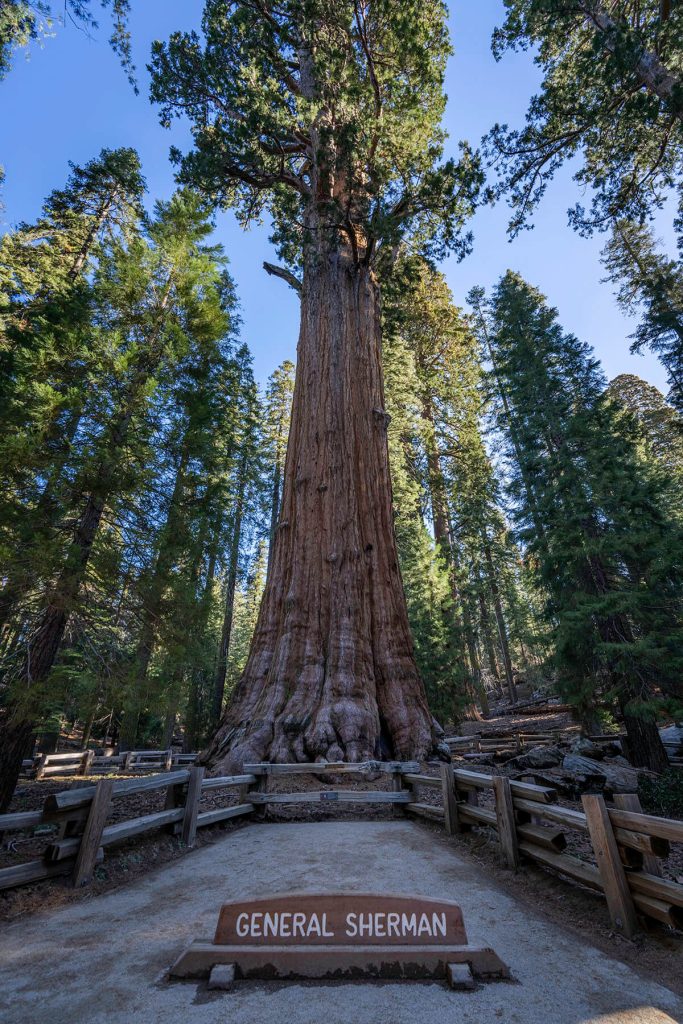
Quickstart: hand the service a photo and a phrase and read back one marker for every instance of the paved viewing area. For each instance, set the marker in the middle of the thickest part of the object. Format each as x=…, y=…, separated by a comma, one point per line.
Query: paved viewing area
x=105, y=960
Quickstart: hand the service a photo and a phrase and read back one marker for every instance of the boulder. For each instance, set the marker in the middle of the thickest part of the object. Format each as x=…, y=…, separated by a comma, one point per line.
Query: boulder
x=587, y=748
x=672, y=738
x=538, y=757
x=616, y=778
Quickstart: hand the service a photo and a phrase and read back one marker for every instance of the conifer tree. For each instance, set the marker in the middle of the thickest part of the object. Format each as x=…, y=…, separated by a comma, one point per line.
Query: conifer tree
x=611, y=96
x=650, y=284
x=608, y=556
x=327, y=117
x=22, y=21
x=661, y=430
x=49, y=358
x=153, y=294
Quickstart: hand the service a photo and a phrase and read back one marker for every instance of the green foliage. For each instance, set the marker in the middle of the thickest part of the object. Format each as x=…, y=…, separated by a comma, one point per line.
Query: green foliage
x=649, y=283
x=21, y=22
x=327, y=116
x=662, y=795
x=590, y=511
x=611, y=99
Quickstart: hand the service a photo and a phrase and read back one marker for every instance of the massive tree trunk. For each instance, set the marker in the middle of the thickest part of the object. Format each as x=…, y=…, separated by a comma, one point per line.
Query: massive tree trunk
x=331, y=672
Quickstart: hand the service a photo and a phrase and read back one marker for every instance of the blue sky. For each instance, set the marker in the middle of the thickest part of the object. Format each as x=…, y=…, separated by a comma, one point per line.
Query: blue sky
x=71, y=99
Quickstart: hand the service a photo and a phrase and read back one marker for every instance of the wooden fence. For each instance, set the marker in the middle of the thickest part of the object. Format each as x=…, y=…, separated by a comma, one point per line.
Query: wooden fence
x=627, y=845
x=86, y=762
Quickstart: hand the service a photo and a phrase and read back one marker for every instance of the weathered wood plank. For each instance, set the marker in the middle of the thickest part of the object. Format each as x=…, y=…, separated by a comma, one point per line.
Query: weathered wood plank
x=659, y=910
x=567, y=865
x=20, y=819
x=615, y=885
x=348, y=796
x=225, y=781
x=91, y=839
x=548, y=838
x=426, y=811
x=428, y=781
x=477, y=815
x=117, y=833
x=223, y=814
x=72, y=798
x=450, y=803
x=651, y=847
x=33, y=871
x=664, y=828
x=652, y=885
x=527, y=790
x=551, y=812
x=194, y=792
x=334, y=767
x=505, y=820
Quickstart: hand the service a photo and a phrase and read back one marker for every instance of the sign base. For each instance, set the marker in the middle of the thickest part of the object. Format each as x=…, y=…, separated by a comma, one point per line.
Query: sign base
x=340, y=936
x=303, y=962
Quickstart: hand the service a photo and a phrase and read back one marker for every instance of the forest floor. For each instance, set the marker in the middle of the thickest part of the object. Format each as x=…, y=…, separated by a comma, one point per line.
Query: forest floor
x=658, y=952
x=106, y=960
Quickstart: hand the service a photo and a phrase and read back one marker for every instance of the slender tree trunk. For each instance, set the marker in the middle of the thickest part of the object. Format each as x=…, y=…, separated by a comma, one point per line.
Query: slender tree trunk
x=331, y=672
x=231, y=584
x=487, y=636
x=152, y=607
x=475, y=667
x=500, y=622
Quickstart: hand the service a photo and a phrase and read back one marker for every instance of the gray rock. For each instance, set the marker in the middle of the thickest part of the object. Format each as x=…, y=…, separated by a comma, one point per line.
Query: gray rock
x=538, y=757
x=586, y=748
x=222, y=977
x=618, y=778
x=672, y=738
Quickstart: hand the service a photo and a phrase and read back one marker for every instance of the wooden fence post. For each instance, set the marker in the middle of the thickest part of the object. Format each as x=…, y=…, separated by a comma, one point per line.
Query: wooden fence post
x=397, y=810
x=125, y=764
x=168, y=760
x=86, y=857
x=619, y=900
x=631, y=802
x=261, y=787
x=87, y=761
x=40, y=766
x=450, y=803
x=194, y=792
x=505, y=820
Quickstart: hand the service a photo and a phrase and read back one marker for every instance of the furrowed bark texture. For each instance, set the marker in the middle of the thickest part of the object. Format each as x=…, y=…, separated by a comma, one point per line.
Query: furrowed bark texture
x=331, y=673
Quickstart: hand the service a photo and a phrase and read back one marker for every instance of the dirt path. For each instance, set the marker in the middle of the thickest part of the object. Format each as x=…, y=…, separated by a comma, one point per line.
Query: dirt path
x=104, y=961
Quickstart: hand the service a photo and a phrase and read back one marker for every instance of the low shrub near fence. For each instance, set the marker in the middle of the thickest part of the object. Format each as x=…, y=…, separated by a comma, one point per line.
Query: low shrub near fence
x=627, y=845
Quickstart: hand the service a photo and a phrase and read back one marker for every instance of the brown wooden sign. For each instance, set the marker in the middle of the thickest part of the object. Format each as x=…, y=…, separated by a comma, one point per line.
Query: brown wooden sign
x=340, y=935
x=346, y=919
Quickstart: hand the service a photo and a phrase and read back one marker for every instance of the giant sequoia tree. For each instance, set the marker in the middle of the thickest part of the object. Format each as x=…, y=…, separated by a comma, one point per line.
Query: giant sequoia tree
x=327, y=116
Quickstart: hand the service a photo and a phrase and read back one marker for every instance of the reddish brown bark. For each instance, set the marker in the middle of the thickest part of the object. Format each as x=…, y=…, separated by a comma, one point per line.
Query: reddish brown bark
x=331, y=672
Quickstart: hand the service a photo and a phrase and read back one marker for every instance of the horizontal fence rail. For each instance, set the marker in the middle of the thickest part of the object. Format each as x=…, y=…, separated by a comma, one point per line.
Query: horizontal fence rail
x=628, y=845
x=87, y=762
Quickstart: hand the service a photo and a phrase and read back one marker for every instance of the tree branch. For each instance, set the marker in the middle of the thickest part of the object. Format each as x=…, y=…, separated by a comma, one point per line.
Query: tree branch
x=286, y=275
